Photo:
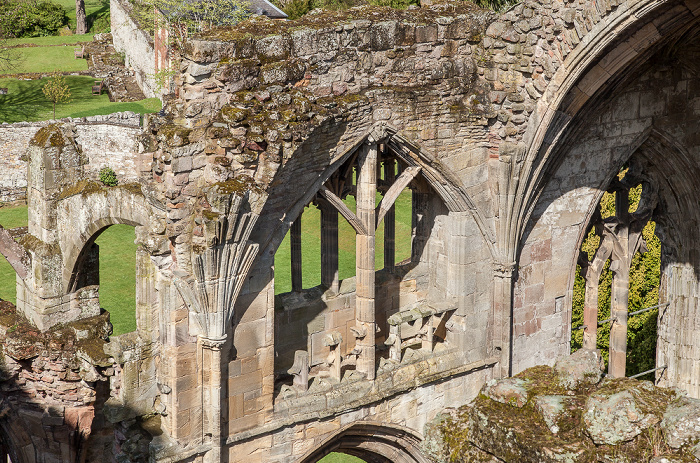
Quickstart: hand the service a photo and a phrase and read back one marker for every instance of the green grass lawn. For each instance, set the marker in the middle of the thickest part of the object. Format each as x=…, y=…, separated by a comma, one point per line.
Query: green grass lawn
x=117, y=270
x=311, y=245
x=118, y=276
x=47, y=59
x=26, y=102
x=53, y=39
x=340, y=458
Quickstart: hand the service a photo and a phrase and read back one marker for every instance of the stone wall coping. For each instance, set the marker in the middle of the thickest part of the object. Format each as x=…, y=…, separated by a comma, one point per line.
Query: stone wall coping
x=106, y=119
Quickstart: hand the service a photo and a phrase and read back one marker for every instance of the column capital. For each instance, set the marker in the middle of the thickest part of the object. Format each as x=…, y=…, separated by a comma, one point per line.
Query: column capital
x=503, y=269
x=212, y=342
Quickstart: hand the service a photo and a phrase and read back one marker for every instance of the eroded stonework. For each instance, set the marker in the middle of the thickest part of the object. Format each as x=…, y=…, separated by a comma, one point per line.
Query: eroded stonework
x=506, y=129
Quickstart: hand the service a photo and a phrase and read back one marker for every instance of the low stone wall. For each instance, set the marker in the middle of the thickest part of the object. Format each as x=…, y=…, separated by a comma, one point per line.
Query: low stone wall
x=136, y=45
x=106, y=140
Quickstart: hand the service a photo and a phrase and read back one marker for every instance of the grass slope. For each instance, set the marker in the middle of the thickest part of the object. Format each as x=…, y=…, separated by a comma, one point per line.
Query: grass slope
x=26, y=102
x=51, y=40
x=340, y=458
x=47, y=59
x=93, y=9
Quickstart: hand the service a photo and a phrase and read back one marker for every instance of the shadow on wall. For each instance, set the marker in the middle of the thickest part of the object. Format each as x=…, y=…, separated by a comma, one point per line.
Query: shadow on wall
x=55, y=390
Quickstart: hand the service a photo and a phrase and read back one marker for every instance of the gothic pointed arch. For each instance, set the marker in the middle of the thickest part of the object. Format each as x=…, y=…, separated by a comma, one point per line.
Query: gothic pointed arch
x=372, y=442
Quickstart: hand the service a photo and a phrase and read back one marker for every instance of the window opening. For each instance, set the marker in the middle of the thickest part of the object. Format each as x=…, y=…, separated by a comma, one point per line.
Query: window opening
x=15, y=220
x=620, y=261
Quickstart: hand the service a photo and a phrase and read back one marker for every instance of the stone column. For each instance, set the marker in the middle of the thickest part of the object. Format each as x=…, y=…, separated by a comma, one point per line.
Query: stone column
x=295, y=243
x=329, y=246
x=502, y=315
x=214, y=345
x=390, y=220
x=364, y=311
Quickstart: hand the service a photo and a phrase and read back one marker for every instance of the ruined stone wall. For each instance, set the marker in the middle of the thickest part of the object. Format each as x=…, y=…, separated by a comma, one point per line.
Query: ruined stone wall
x=106, y=140
x=646, y=119
x=412, y=409
x=136, y=44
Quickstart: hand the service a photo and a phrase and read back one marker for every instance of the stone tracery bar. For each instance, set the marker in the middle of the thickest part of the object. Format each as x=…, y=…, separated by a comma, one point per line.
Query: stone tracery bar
x=390, y=220
x=329, y=246
x=295, y=243
x=364, y=310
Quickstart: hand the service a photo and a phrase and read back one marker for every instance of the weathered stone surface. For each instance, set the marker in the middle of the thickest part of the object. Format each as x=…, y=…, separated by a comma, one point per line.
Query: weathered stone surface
x=615, y=415
x=550, y=408
x=681, y=422
x=583, y=366
x=511, y=391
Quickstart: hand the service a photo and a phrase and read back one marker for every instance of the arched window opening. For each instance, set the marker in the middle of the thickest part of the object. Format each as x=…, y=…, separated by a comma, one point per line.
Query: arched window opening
x=14, y=219
x=358, y=257
x=117, y=254
x=616, y=291
x=106, y=267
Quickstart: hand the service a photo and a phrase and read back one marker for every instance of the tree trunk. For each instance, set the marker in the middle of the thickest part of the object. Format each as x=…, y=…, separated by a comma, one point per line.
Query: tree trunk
x=80, y=17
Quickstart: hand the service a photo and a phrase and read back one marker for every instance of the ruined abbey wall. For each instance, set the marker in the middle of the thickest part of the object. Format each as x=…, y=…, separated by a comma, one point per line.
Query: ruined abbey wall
x=508, y=128
x=106, y=140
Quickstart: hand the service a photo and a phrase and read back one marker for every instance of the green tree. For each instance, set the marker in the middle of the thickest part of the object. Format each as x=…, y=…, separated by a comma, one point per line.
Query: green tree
x=56, y=90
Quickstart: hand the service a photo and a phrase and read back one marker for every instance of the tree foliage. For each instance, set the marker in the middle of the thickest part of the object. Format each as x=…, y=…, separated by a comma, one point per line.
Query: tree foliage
x=185, y=18
x=645, y=275
x=31, y=18
x=56, y=90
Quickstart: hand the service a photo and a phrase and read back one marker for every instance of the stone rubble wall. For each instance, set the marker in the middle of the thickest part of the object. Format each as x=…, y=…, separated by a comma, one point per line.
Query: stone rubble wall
x=109, y=140
x=136, y=44
x=412, y=409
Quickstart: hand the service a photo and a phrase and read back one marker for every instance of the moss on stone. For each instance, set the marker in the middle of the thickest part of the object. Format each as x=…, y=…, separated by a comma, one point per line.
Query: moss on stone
x=237, y=186
x=38, y=247
x=257, y=27
x=83, y=187
x=49, y=135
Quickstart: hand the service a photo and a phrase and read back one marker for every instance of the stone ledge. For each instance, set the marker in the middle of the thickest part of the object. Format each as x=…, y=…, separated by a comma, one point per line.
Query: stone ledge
x=375, y=394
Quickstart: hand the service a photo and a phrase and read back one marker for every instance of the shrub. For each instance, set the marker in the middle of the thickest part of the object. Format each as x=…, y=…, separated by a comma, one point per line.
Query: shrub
x=101, y=24
x=108, y=177
x=31, y=18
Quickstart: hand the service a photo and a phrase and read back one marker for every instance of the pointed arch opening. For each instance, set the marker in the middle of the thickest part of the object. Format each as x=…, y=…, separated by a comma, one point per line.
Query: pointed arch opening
x=398, y=207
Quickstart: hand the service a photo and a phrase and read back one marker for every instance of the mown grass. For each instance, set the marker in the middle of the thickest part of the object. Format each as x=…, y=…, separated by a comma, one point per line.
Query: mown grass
x=340, y=458
x=47, y=59
x=26, y=102
x=311, y=245
x=52, y=40
x=117, y=270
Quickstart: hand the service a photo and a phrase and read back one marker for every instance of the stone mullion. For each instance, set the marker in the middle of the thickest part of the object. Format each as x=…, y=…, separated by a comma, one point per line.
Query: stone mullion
x=618, y=329
x=419, y=205
x=592, y=277
x=329, y=246
x=390, y=220
x=295, y=243
x=365, y=322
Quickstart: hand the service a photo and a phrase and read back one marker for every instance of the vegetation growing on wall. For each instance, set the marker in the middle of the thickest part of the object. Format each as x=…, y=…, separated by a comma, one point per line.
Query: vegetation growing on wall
x=298, y=8
x=643, y=293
